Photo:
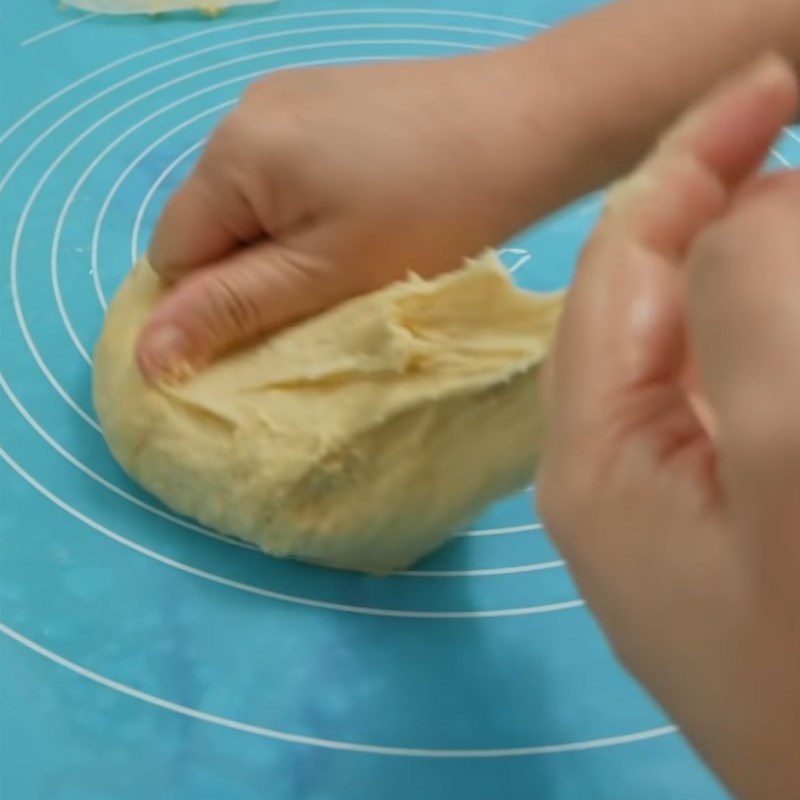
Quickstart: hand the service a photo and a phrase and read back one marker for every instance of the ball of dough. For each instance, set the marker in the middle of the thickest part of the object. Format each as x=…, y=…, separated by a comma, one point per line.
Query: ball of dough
x=358, y=439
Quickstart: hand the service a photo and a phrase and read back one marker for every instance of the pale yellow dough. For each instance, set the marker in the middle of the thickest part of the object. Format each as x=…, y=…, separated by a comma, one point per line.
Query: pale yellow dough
x=359, y=439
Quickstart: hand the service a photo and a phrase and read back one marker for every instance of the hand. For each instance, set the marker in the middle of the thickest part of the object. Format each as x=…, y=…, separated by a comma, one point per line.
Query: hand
x=325, y=184
x=671, y=480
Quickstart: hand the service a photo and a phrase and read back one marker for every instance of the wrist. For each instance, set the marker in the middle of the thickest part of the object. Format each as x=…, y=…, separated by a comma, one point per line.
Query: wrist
x=525, y=136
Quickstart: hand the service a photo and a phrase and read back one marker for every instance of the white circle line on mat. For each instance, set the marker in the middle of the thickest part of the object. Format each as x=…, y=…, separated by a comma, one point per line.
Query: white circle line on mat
x=261, y=37
x=266, y=19
x=489, y=572
x=269, y=593
x=16, y=247
x=522, y=257
x=37, y=37
x=90, y=473
x=331, y=744
x=65, y=396
x=532, y=526
x=780, y=157
x=148, y=198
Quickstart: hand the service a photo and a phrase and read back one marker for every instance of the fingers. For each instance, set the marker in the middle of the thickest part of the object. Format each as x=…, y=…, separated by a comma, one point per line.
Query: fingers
x=744, y=317
x=623, y=326
x=217, y=308
x=189, y=232
x=211, y=214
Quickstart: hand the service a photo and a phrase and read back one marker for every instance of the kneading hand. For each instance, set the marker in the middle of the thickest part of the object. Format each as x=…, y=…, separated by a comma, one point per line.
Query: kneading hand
x=671, y=479
x=324, y=184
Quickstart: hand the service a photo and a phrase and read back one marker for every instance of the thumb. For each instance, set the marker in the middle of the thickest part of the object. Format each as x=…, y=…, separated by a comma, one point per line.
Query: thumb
x=622, y=329
x=217, y=308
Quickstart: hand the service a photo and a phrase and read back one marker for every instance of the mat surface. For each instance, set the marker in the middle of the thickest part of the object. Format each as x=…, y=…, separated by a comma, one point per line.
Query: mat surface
x=144, y=657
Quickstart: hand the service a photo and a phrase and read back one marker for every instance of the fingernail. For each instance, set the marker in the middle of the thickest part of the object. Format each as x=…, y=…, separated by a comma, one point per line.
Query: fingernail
x=167, y=355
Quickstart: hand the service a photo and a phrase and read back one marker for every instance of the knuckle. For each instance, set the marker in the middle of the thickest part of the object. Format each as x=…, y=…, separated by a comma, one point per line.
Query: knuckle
x=250, y=150
x=232, y=311
x=271, y=123
x=233, y=135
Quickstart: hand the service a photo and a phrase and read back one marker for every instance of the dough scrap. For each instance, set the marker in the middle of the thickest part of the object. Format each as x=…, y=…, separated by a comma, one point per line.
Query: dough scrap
x=358, y=439
x=210, y=7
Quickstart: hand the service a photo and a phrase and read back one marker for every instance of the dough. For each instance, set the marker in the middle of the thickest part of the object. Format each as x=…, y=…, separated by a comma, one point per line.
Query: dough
x=210, y=7
x=358, y=439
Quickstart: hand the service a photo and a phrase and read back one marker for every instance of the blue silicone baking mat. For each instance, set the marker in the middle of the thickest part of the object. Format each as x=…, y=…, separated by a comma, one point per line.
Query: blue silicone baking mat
x=146, y=657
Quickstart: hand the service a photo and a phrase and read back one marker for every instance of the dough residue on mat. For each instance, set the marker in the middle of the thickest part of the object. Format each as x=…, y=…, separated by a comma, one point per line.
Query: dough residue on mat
x=210, y=7
x=358, y=439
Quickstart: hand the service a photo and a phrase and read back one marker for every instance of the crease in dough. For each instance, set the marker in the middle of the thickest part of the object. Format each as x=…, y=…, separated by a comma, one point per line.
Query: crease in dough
x=358, y=439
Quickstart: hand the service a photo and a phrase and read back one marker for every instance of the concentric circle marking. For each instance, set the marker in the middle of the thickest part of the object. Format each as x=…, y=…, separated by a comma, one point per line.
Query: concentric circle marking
x=65, y=453
x=86, y=470
x=136, y=250
x=266, y=19
x=533, y=526
x=333, y=744
x=83, y=178
x=57, y=29
x=73, y=194
x=281, y=596
x=473, y=573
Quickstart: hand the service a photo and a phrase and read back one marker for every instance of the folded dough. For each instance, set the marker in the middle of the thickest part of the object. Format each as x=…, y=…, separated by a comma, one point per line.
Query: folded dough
x=210, y=7
x=358, y=439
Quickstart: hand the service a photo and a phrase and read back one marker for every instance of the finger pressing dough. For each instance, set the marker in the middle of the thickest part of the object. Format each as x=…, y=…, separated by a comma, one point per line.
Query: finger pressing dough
x=358, y=439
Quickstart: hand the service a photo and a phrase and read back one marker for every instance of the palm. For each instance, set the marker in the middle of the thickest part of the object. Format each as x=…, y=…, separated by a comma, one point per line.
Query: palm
x=673, y=498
